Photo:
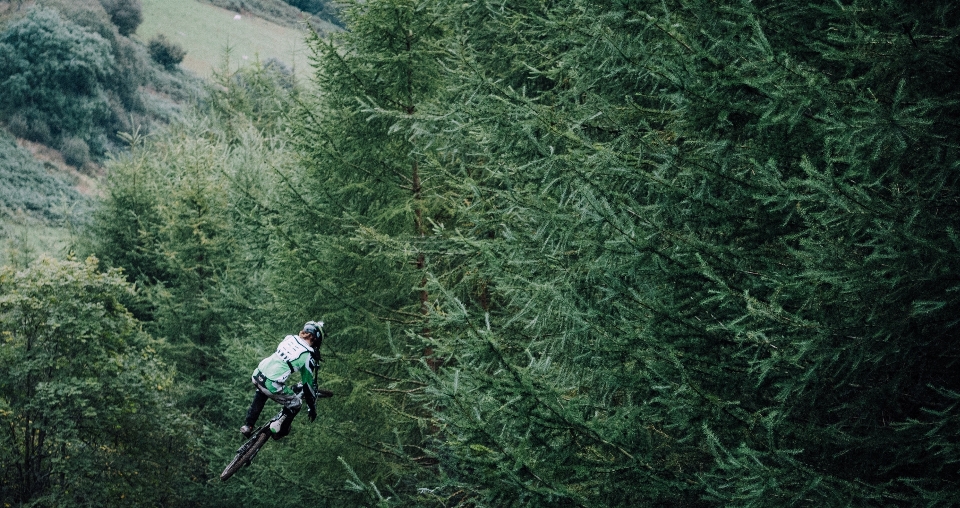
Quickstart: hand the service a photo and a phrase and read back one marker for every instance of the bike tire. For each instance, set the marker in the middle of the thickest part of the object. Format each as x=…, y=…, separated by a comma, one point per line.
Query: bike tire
x=242, y=458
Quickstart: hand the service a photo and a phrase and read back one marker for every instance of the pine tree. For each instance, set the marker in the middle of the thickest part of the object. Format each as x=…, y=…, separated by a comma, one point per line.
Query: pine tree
x=707, y=254
x=185, y=215
x=354, y=225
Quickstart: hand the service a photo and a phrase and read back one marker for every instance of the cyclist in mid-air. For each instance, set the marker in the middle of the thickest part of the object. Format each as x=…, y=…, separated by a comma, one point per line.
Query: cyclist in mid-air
x=296, y=353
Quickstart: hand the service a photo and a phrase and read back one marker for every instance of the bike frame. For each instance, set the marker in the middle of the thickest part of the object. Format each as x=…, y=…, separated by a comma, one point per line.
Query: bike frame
x=249, y=449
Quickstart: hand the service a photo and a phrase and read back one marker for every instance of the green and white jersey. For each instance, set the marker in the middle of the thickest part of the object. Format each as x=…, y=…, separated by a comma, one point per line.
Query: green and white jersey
x=292, y=355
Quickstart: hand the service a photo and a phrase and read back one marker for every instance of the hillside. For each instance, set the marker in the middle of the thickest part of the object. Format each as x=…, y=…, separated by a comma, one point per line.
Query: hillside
x=134, y=92
x=210, y=33
x=38, y=198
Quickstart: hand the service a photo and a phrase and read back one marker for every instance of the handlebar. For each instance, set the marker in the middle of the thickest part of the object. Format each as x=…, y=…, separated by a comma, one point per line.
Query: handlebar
x=321, y=394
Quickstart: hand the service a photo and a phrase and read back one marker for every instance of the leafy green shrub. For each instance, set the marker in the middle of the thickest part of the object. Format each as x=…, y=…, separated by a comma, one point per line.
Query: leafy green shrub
x=29, y=127
x=75, y=152
x=121, y=90
x=131, y=59
x=166, y=52
x=125, y=14
x=76, y=369
x=321, y=8
x=68, y=74
x=88, y=14
x=58, y=68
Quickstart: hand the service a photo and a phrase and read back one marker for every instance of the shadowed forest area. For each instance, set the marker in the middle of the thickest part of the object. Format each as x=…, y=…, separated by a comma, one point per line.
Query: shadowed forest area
x=584, y=253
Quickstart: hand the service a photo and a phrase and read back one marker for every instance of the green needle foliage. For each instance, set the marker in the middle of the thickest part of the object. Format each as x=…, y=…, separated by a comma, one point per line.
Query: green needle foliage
x=354, y=228
x=708, y=254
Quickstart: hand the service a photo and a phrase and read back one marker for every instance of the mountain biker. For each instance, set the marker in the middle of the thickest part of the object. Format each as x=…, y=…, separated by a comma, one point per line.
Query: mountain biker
x=296, y=353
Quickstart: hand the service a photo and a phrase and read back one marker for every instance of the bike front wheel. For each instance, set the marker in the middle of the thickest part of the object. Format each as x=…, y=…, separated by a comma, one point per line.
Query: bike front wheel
x=244, y=456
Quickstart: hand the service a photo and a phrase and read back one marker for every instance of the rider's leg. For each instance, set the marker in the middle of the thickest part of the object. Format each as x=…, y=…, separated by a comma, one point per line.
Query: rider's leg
x=256, y=407
x=284, y=423
x=260, y=395
x=291, y=406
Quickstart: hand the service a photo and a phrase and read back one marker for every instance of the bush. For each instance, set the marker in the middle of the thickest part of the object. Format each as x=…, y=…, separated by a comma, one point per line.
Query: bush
x=125, y=14
x=27, y=126
x=88, y=14
x=166, y=52
x=75, y=152
x=120, y=94
x=57, y=68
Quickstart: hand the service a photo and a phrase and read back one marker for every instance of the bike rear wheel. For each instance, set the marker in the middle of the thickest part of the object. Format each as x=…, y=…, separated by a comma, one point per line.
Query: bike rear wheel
x=244, y=456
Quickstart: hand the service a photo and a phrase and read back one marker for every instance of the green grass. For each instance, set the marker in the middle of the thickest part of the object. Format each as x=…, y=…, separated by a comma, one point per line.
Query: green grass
x=30, y=188
x=38, y=203
x=22, y=241
x=207, y=32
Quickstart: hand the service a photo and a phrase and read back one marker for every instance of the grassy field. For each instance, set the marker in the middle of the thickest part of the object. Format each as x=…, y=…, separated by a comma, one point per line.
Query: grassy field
x=207, y=32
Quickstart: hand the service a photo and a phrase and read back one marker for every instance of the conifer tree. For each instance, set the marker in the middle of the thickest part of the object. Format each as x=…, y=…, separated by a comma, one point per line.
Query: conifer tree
x=604, y=253
x=352, y=245
x=707, y=254
x=183, y=214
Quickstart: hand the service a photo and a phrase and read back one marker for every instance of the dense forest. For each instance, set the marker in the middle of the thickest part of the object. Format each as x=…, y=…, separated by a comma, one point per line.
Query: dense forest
x=582, y=253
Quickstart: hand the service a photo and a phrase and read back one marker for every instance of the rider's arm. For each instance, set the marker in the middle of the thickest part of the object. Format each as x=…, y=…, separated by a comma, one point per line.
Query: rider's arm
x=309, y=384
x=306, y=368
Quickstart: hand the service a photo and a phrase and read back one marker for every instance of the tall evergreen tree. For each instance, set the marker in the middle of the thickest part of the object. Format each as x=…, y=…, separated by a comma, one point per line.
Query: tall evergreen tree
x=353, y=247
x=605, y=253
x=708, y=254
x=183, y=214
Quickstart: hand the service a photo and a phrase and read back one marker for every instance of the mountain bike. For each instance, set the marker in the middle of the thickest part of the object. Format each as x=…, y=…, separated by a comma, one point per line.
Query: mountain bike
x=251, y=447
